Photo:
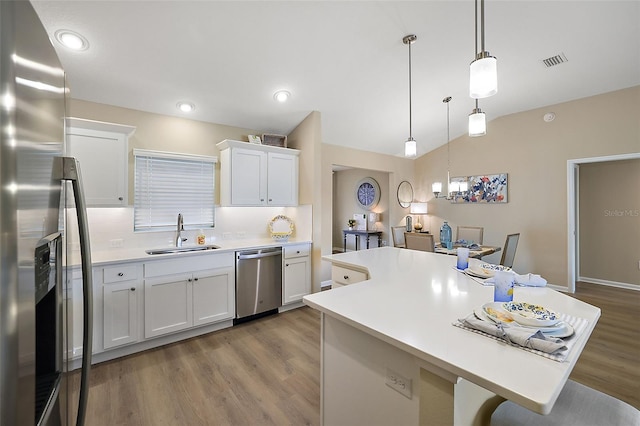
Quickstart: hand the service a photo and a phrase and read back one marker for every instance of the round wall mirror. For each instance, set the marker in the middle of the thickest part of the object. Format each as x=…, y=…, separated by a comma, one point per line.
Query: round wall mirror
x=405, y=194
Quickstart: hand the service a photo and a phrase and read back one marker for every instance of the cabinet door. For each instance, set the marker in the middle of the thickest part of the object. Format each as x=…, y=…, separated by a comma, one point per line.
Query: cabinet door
x=120, y=313
x=282, y=179
x=103, y=185
x=297, y=279
x=167, y=305
x=213, y=296
x=248, y=177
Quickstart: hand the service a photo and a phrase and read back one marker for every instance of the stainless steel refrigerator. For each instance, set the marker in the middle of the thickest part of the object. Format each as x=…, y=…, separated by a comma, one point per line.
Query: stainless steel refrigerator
x=35, y=181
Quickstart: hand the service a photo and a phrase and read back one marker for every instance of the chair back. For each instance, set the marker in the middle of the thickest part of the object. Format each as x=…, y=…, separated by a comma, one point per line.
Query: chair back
x=509, y=251
x=470, y=233
x=397, y=234
x=419, y=241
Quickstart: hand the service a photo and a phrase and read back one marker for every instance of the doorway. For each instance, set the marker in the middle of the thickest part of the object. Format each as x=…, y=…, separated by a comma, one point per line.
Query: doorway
x=573, y=216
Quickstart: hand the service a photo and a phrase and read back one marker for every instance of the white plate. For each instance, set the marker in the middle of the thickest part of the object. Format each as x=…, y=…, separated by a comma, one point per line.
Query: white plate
x=560, y=330
x=496, y=312
x=531, y=314
x=478, y=273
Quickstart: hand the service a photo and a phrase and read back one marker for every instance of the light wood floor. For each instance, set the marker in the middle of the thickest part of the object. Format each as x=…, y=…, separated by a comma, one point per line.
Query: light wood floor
x=266, y=372
x=611, y=360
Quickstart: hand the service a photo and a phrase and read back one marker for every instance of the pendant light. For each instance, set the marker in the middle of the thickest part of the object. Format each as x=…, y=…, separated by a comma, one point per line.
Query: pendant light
x=477, y=122
x=483, y=71
x=436, y=187
x=410, y=146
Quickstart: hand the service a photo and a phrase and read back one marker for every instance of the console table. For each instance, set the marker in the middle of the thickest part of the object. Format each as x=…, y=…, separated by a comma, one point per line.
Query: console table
x=346, y=232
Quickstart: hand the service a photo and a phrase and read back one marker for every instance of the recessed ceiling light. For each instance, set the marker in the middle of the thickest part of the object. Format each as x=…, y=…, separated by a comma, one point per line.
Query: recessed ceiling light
x=281, y=96
x=186, y=106
x=72, y=40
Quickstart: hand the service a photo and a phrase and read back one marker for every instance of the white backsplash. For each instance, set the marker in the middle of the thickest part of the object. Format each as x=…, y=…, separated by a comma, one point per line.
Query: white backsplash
x=112, y=228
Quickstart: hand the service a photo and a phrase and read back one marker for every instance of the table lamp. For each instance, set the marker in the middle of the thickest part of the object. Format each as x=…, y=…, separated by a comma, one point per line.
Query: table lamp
x=418, y=209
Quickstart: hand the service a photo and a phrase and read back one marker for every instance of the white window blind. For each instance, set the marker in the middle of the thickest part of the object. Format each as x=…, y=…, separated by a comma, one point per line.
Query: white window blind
x=167, y=184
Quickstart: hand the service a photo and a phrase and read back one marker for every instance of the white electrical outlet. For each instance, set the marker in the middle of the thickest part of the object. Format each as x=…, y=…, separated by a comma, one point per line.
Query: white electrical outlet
x=398, y=383
x=227, y=235
x=241, y=234
x=118, y=242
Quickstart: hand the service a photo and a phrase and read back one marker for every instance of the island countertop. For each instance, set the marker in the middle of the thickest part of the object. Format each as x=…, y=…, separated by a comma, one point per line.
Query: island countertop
x=411, y=301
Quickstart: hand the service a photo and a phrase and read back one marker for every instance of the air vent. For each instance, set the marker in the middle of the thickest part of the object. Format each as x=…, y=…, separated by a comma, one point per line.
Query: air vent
x=555, y=60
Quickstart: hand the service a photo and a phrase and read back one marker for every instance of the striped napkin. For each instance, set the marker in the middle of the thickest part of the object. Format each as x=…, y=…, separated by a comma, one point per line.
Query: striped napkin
x=529, y=340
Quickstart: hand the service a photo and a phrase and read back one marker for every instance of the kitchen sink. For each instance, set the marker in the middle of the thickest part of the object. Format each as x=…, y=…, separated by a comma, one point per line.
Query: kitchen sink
x=168, y=250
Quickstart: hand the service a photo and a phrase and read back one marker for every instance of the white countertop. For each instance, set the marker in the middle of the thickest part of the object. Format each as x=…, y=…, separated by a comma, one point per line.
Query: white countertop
x=137, y=254
x=413, y=298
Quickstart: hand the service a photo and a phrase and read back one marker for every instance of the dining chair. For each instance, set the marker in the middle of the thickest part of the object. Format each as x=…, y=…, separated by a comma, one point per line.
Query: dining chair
x=577, y=405
x=470, y=233
x=397, y=235
x=419, y=241
x=509, y=251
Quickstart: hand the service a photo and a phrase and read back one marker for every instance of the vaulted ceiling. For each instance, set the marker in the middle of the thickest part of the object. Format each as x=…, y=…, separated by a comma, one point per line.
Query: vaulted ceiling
x=345, y=59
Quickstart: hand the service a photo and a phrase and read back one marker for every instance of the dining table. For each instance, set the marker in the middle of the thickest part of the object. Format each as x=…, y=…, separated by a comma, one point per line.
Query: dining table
x=393, y=351
x=475, y=252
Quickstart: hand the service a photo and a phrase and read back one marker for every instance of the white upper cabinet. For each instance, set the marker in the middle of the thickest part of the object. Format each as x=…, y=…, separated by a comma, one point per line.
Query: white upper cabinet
x=257, y=175
x=102, y=150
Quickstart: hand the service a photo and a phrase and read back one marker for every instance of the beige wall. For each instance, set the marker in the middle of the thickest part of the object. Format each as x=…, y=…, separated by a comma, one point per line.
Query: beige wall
x=345, y=206
x=307, y=137
x=534, y=153
x=398, y=169
x=609, y=222
x=162, y=132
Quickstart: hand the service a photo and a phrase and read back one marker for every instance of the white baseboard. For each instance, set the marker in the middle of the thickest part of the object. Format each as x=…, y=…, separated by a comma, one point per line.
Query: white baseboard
x=609, y=283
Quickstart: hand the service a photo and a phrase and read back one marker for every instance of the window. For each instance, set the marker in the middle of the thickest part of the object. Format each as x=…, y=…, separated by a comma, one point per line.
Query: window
x=167, y=184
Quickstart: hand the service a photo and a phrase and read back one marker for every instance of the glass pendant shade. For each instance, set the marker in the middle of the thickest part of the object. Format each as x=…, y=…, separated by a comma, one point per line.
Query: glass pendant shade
x=483, y=76
x=436, y=187
x=410, y=148
x=477, y=123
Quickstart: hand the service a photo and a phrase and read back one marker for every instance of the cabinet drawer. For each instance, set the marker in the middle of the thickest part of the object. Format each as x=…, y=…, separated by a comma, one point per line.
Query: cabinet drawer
x=342, y=275
x=116, y=274
x=300, y=250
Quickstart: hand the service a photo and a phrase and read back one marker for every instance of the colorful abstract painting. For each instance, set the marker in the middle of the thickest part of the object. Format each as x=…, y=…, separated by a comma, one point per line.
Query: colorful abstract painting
x=484, y=189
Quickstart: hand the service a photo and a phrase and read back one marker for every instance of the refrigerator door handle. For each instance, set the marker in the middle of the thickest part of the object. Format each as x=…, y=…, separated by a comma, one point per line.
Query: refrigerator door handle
x=71, y=172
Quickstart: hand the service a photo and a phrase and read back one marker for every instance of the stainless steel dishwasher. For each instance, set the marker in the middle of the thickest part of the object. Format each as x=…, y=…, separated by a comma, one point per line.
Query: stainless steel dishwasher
x=258, y=282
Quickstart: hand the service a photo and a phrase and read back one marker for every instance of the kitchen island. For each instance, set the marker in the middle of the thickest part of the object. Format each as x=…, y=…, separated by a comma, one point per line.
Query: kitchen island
x=391, y=355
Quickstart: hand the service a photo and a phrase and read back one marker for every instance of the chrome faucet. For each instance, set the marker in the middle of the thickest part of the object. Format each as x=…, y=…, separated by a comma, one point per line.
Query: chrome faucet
x=179, y=239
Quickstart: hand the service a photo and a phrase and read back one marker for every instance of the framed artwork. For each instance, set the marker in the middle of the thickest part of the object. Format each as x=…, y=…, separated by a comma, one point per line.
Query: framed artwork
x=483, y=189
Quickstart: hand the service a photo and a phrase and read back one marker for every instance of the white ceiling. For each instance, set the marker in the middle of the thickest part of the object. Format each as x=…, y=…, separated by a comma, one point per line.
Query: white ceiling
x=344, y=59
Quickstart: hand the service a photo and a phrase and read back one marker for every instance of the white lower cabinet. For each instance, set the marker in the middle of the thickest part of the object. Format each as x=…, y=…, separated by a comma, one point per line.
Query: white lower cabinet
x=341, y=276
x=121, y=287
x=120, y=314
x=180, y=294
x=296, y=279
